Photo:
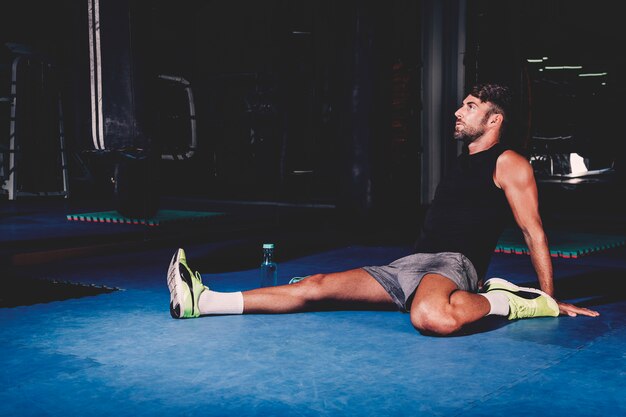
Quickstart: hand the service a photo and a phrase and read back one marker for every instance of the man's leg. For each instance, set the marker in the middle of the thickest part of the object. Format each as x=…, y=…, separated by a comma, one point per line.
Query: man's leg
x=440, y=308
x=340, y=290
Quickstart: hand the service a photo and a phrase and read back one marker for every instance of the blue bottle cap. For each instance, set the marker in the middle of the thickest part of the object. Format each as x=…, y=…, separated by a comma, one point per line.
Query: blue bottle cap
x=268, y=246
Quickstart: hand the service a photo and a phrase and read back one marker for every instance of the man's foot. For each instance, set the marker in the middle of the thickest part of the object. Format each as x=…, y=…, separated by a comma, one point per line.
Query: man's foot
x=185, y=288
x=524, y=302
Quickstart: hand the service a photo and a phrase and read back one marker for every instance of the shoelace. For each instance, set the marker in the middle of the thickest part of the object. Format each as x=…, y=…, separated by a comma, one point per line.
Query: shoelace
x=198, y=276
x=170, y=278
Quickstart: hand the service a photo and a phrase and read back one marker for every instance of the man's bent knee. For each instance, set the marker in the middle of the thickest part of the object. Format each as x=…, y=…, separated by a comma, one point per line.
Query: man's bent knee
x=432, y=320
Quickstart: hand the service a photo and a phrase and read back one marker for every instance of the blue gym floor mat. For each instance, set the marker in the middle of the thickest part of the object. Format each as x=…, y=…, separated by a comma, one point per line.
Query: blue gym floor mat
x=120, y=353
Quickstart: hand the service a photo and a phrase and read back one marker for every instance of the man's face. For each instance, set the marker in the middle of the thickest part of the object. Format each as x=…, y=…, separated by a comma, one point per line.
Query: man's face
x=471, y=119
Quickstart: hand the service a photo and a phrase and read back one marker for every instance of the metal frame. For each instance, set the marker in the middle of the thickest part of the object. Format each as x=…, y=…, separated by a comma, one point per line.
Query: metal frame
x=11, y=183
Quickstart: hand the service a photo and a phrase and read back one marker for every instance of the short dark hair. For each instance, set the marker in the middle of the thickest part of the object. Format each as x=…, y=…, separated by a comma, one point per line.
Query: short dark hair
x=500, y=96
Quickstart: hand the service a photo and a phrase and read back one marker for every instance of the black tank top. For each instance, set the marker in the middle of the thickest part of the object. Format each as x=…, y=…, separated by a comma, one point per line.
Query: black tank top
x=468, y=212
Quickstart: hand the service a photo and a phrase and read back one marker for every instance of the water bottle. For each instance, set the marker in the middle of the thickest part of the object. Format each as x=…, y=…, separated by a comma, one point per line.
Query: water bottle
x=269, y=268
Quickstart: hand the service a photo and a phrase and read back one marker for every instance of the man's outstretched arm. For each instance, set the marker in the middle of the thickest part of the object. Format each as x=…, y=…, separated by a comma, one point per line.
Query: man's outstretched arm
x=515, y=176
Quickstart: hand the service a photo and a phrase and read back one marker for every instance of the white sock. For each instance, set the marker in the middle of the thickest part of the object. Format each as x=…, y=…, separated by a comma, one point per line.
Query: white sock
x=499, y=303
x=213, y=302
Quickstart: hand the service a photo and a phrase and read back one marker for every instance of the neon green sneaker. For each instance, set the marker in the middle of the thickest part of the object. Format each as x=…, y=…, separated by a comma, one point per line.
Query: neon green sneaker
x=524, y=302
x=185, y=288
x=297, y=279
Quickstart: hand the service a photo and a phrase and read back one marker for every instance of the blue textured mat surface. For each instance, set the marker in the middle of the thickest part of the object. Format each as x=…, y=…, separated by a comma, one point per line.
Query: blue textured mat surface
x=121, y=353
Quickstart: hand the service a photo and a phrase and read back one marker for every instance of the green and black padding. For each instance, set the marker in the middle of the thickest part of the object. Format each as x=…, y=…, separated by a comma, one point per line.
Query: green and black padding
x=562, y=244
x=160, y=218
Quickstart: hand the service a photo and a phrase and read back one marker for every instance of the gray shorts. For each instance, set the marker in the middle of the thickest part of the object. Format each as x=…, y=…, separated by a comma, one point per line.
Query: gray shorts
x=401, y=277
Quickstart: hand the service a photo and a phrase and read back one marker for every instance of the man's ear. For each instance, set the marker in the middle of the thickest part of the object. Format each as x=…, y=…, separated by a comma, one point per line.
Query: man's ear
x=496, y=119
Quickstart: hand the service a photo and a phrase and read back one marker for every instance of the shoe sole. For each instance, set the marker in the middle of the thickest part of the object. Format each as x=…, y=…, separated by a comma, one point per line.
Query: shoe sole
x=175, y=283
x=502, y=284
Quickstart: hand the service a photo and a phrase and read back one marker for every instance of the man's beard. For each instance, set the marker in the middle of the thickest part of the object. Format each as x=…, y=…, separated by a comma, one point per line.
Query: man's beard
x=466, y=137
x=469, y=135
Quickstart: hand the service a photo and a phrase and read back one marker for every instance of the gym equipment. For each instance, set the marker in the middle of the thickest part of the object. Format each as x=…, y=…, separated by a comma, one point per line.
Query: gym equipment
x=121, y=113
x=35, y=149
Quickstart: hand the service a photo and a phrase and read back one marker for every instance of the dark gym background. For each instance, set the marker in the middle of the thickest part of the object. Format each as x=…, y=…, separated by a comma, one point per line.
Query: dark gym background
x=319, y=102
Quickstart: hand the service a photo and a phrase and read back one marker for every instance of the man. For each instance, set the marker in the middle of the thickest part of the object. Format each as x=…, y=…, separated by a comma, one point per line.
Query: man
x=439, y=284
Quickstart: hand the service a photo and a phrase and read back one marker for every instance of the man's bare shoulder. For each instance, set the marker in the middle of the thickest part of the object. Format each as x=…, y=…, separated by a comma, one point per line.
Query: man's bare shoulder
x=512, y=166
x=510, y=159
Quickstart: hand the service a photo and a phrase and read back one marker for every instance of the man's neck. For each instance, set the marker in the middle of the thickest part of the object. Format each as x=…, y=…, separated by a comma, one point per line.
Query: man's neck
x=482, y=144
